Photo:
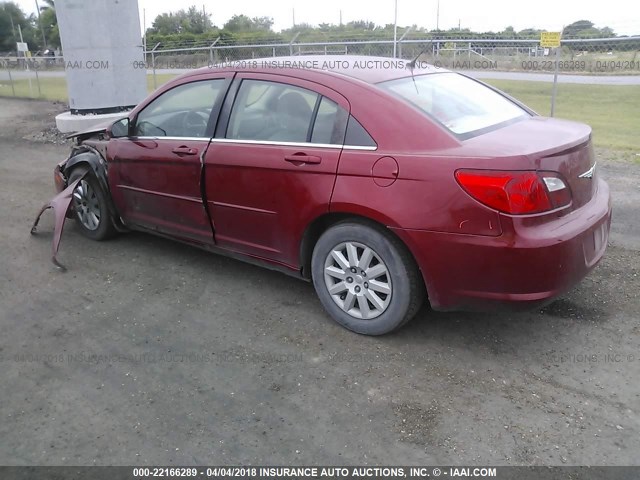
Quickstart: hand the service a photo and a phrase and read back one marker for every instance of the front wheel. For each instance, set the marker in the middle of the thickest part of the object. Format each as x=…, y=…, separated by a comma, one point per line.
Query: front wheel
x=90, y=206
x=366, y=279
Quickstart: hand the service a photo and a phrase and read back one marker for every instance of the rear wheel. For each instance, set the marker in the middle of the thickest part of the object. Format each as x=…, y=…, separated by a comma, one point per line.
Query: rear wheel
x=366, y=279
x=90, y=206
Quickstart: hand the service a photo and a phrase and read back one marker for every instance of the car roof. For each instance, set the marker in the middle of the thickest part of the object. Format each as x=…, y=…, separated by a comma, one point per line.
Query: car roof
x=365, y=68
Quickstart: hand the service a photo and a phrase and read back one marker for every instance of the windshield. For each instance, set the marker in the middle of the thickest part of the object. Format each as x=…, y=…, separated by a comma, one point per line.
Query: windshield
x=464, y=106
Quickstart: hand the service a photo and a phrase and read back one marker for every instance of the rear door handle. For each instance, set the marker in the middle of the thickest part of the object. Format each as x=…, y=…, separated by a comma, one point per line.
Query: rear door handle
x=185, y=151
x=302, y=158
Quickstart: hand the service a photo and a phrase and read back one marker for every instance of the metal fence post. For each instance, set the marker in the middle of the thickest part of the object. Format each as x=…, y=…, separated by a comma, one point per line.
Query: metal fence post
x=401, y=39
x=295, y=37
x=38, y=82
x=213, y=62
x=555, y=81
x=153, y=63
x=13, y=88
x=395, y=30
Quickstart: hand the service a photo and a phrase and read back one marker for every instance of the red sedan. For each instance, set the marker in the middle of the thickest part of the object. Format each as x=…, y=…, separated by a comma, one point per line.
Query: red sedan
x=378, y=182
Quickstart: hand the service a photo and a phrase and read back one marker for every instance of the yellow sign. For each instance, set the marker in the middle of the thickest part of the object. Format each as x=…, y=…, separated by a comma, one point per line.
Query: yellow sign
x=550, y=39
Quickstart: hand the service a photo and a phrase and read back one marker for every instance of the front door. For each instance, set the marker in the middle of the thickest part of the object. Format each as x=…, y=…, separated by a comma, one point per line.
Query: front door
x=156, y=172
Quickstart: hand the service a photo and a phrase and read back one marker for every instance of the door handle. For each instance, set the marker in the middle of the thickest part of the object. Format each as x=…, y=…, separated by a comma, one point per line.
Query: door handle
x=185, y=151
x=302, y=158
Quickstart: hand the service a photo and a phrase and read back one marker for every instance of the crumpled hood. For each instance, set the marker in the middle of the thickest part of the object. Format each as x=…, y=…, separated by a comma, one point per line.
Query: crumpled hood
x=100, y=128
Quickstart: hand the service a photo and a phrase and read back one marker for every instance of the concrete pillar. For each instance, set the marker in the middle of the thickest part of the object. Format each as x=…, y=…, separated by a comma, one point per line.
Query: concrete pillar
x=104, y=60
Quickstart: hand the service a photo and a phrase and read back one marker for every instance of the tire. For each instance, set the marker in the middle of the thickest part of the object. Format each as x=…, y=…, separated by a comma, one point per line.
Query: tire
x=393, y=285
x=90, y=207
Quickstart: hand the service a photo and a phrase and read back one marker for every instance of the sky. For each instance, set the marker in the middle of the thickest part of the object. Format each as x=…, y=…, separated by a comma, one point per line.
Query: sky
x=487, y=15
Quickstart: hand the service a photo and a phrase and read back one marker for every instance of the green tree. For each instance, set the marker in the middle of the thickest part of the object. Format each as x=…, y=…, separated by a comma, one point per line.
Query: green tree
x=166, y=24
x=262, y=24
x=239, y=23
x=193, y=21
x=586, y=29
x=12, y=16
x=607, y=32
x=529, y=33
x=196, y=21
x=242, y=23
x=361, y=25
x=48, y=5
x=575, y=28
x=49, y=23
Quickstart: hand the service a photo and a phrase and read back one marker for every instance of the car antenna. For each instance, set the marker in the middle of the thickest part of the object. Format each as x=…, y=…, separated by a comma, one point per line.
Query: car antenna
x=412, y=65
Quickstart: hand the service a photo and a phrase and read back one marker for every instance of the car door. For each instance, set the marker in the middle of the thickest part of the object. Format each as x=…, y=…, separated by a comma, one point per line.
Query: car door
x=271, y=168
x=156, y=172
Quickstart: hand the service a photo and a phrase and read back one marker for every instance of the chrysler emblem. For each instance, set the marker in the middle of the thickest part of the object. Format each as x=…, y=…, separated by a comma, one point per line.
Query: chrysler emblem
x=589, y=173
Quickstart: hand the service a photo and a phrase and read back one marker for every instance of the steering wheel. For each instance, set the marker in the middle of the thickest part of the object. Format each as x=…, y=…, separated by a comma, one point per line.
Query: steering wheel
x=194, y=123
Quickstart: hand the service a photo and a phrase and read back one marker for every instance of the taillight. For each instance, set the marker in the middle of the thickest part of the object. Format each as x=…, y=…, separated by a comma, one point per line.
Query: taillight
x=516, y=192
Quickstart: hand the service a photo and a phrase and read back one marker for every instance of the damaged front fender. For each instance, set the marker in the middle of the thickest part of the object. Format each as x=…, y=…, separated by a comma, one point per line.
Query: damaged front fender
x=85, y=155
x=60, y=206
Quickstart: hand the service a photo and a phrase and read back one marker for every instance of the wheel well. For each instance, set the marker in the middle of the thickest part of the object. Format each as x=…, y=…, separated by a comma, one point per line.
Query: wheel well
x=325, y=222
x=68, y=171
x=92, y=162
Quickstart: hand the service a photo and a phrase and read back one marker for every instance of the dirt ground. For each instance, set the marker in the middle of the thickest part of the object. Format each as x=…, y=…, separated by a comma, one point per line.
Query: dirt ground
x=151, y=352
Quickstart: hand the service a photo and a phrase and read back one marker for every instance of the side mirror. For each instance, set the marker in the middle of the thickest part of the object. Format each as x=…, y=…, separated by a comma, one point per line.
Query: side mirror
x=120, y=129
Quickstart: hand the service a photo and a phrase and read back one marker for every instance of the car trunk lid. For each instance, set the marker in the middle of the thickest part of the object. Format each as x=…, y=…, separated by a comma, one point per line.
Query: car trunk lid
x=577, y=166
x=542, y=144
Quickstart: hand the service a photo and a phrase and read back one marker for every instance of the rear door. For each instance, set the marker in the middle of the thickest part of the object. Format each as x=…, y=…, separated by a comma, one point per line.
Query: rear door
x=156, y=172
x=271, y=168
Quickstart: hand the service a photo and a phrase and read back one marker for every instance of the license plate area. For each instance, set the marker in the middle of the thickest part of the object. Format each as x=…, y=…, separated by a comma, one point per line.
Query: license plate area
x=595, y=243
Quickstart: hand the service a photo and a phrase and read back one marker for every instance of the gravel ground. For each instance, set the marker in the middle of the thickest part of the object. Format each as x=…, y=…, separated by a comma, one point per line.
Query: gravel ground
x=150, y=352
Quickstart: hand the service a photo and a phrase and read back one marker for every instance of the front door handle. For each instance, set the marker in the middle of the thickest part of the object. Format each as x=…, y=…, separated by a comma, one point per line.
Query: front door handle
x=185, y=151
x=302, y=158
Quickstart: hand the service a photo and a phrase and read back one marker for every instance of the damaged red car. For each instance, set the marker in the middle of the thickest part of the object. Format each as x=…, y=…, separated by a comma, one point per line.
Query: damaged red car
x=381, y=186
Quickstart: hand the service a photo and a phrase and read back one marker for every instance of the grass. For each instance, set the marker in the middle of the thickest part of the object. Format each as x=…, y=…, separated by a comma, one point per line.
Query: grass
x=160, y=80
x=613, y=111
x=55, y=88
x=50, y=88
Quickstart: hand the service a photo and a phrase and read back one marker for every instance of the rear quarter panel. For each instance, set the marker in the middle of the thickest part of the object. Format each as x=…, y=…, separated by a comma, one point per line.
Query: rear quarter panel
x=424, y=193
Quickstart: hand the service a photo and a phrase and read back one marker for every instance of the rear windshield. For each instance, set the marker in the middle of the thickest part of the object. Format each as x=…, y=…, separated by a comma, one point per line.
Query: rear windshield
x=464, y=106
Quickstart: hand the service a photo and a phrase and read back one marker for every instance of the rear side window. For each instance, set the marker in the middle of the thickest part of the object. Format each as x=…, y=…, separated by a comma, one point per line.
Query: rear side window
x=330, y=123
x=279, y=112
x=357, y=136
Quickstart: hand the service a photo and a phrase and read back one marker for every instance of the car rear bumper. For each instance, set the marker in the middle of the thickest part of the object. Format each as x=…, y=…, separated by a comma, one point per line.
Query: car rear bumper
x=525, y=267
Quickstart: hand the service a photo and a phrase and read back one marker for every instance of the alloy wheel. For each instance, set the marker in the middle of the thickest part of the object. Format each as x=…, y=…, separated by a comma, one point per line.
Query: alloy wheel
x=358, y=280
x=85, y=202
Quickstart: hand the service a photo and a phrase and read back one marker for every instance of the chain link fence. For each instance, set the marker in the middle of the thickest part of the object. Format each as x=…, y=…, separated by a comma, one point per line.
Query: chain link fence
x=44, y=77
x=33, y=77
x=618, y=55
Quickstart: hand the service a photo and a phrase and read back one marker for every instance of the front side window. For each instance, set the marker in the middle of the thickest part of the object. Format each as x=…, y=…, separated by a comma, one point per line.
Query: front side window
x=183, y=111
x=272, y=111
x=462, y=105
